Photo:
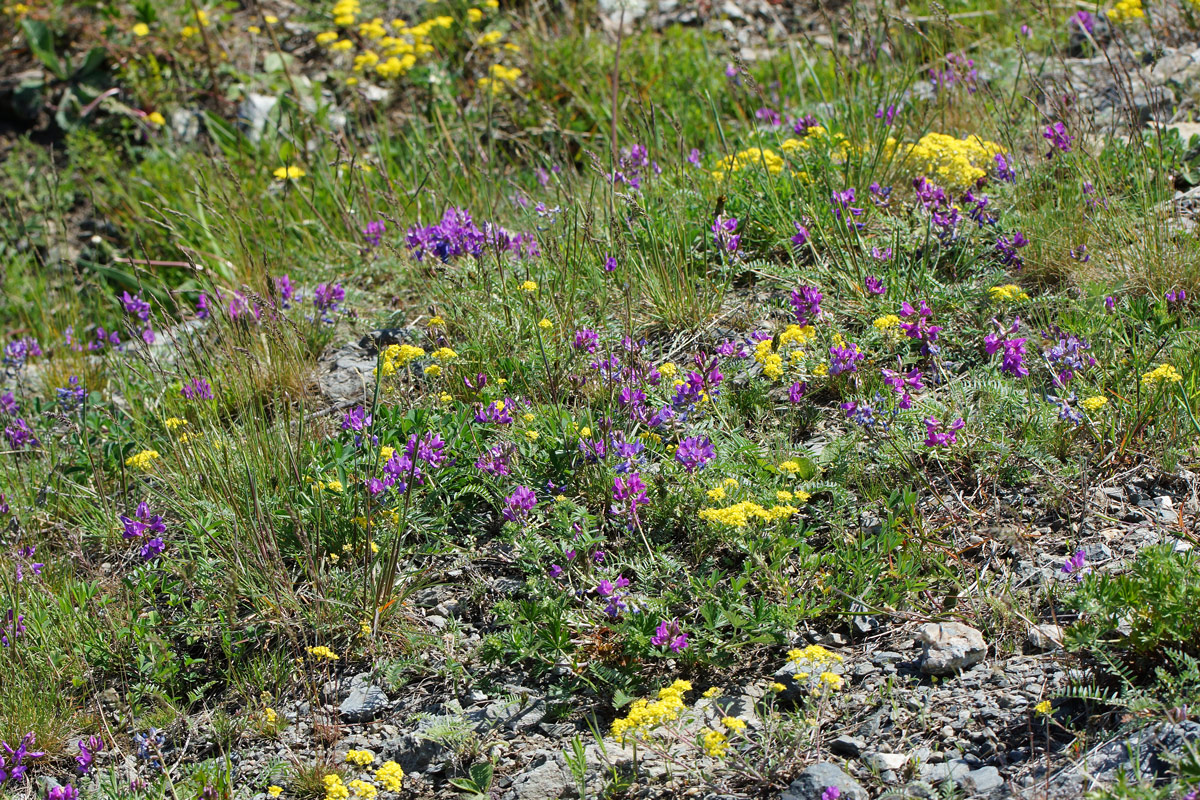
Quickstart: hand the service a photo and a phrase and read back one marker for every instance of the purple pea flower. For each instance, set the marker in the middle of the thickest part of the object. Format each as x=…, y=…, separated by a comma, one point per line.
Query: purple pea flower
x=874, y=285
x=518, y=505
x=197, y=389
x=694, y=453
x=939, y=435
x=670, y=635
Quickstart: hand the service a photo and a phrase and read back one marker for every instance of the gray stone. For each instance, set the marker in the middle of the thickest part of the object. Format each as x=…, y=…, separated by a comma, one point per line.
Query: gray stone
x=541, y=782
x=347, y=375
x=847, y=746
x=1044, y=637
x=1150, y=749
x=950, y=770
x=254, y=114
x=813, y=782
x=363, y=704
x=514, y=715
x=885, y=762
x=950, y=647
x=984, y=780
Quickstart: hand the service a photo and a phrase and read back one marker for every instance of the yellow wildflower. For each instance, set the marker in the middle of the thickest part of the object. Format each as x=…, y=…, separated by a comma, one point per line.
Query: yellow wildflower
x=437, y=322
x=142, y=461
x=254, y=30
x=1163, y=373
x=717, y=493
x=886, y=321
x=1094, y=404
x=360, y=758
x=1008, y=293
x=321, y=651
x=474, y=14
x=528, y=286
x=490, y=38
x=334, y=486
x=714, y=743
x=174, y=422
x=390, y=776
x=444, y=354
x=1126, y=11
x=433, y=370
x=274, y=791
x=334, y=788
x=289, y=173
x=790, y=467
x=668, y=370
x=1044, y=707
x=141, y=29
x=585, y=432
x=714, y=691
x=545, y=324
x=531, y=435
x=733, y=723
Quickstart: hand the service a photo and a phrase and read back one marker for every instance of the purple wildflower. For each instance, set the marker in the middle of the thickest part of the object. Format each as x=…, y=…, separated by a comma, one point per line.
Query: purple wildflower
x=1058, y=138
x=327, y=297
x=874, y=285
x=801, y=238
x=670, y=635
x=1004, y=170
x=796, y=392
x=724, y=238
x=694, y=453
x=71, y=396
x=287, y=292
x=844, y=358
x=806, y=303
x=917, y=326
x=1013, y=361
x=197, y=389
x=12, y=768
x=1076, y=565
x=374, y=231
x=19, y=434
x=495, y=461
x=518, y=505
x=87, y=753
x=939, y=435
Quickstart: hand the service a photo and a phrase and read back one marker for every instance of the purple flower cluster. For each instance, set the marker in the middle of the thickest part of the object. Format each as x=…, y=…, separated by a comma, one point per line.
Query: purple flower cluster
x=197, y=389
x=613, y=592
x=1060, y=141
x=861, y=413
x=1013, y=361
x=629, y=493
x=406, y=465
x=497, y=413
x=16, y=627
x=939, y=435
x=67, y=792
x=71, y=396
x=844, y=358
x=724, y=236
x=135, y=306
x=669, y=635
x=19, y=435
x=18, y=351
x=287, y=292
x=806, y=304
x=518, y=504
x=1067, y=353
x=23, y=557
x=875, y=286
x=903, y=384
x=374, y=232
x=843, y=202
x=694, y=453
x=326, y=299
x=917, y=326
x=456, y=235
x=13, y=767
x=634, y=162
x=146, y=526
x=587, y=340
x=801, y=238
x=1076, y=565
x=1008, y=246
x=495, y=461
x=87, y=753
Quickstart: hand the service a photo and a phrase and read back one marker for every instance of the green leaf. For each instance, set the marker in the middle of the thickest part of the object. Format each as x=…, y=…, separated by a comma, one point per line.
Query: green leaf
x=481, y=774
x=41, y=43
x=92, y=63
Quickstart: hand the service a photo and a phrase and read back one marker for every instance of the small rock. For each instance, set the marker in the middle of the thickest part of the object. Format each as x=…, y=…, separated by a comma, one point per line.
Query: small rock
x=884, y=762
x=363, y=704
x=847, y=746
x=541, y=782
x=950, y=647
x=813, y=782
x=1044, y=637
x=984, y=780
x=946, y=771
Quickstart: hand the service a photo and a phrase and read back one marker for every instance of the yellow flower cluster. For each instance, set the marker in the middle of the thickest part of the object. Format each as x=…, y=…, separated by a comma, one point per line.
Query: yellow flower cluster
x=142, y=461
x=321, y=651
x=334, y=788
x=1094, y=403
x=528, y=286
x=397, y=355
x=741, y=514
x=790, y=467
x=772, y=363
x=444, y=354
x=501, y=76
x=769, y=160
x=1163, y=373
x=954, y=163
x=714, y=743
x=290, y=172
x=399, y=45
x=1009, y=293
x=274, y=791
x=797, y=335
x=360, y=758
x=645, y=715
x=814, y=655
x=1044, y=707
x=390, y=775
x=1126, y=11
x=886, y=321
x=362, y=788
x=174, y=422
x=839, y=146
